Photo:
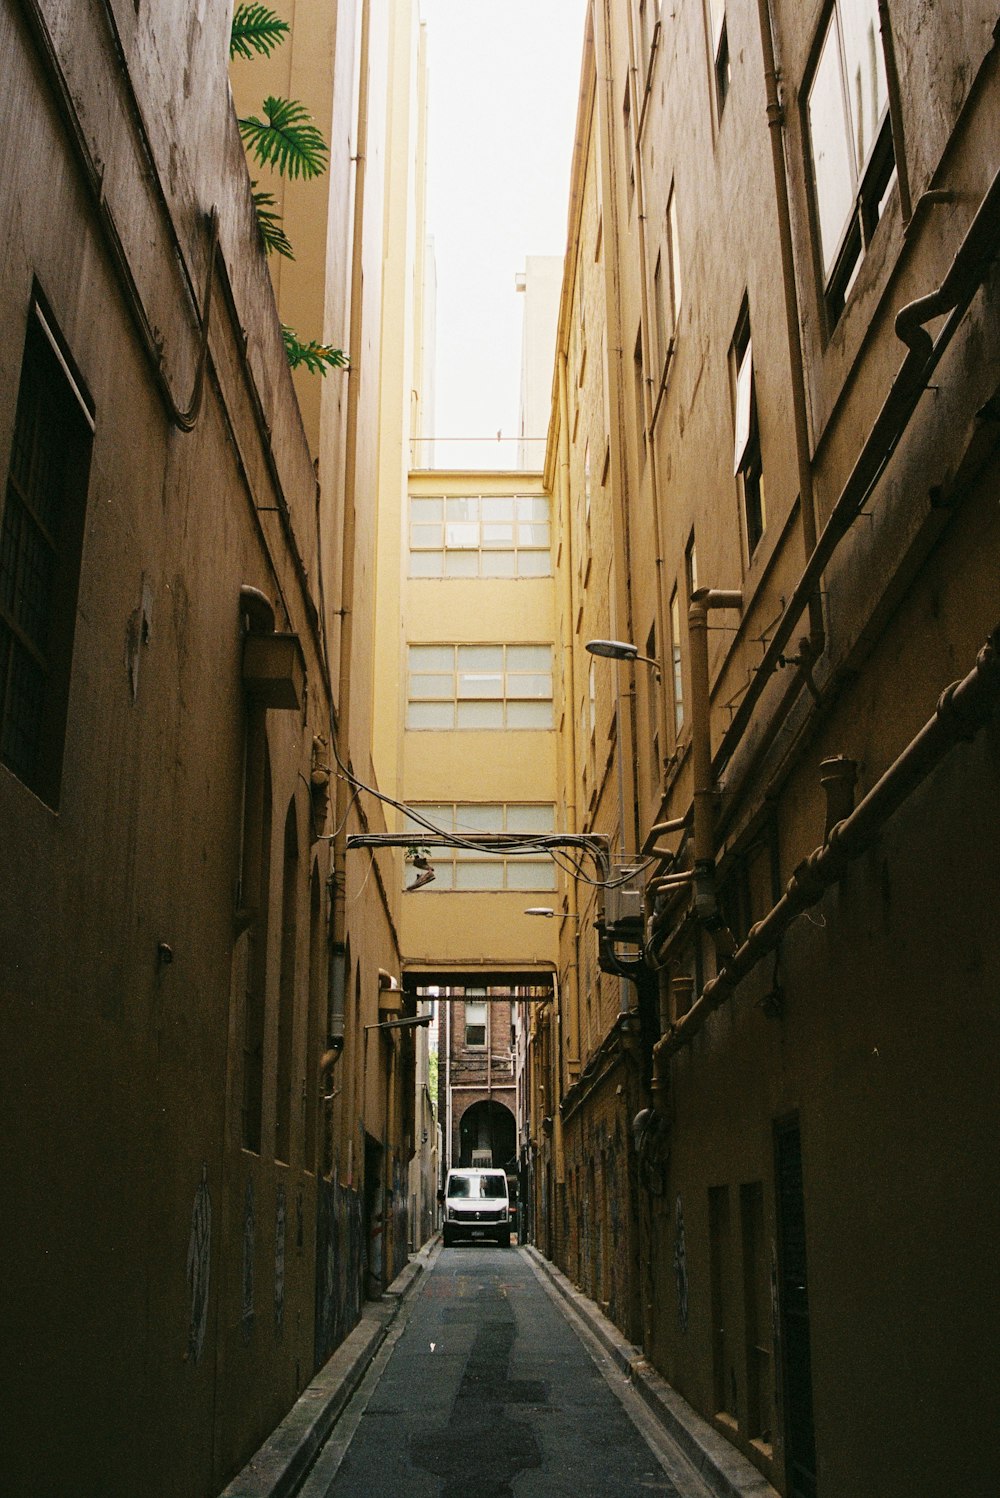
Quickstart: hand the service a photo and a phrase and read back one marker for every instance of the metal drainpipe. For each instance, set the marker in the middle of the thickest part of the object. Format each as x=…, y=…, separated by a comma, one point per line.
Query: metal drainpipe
x=338, y=878
x=895, y=111
x=963, y=709
x=800, y=418
x=703, y=601
x=569, y=737
x=638, y=113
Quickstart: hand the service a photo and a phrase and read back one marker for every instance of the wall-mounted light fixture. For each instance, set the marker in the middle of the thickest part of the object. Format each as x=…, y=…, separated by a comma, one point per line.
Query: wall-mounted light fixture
x=550, y=914
x=621, y=650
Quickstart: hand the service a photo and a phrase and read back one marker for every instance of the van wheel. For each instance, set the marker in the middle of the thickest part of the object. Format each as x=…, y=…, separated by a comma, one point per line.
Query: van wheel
x=446, y=1235
x=503, y=1239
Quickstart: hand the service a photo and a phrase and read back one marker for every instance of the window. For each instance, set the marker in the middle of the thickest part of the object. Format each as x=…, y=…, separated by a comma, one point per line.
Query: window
x=475, y=1022
x=675, y=660
x=747, y=463
x=466, y=868
x=640, y=411
x=480, y=536
x=673, y=261
x=41, y=542
x=480, y=686
x=719, y=39
x=851, y=141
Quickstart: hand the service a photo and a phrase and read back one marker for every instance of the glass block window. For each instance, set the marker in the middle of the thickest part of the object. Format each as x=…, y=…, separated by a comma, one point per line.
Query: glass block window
x=480, y=536
x=479, y=686
x=470, y=869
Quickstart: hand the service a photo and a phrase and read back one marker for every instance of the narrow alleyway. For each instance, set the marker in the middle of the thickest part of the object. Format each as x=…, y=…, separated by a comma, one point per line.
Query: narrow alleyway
x=485, y=1390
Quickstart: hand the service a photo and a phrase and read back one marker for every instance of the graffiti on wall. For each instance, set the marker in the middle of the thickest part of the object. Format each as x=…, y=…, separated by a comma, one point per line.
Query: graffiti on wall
x=249, y=1231
x=339, y=1235
x=280, y=1214
x=680, y=1266
x=199, y=1261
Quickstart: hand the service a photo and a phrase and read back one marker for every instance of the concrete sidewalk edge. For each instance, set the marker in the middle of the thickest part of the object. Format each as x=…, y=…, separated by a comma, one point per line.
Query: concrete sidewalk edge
x=724, y=1469
x=278, y=1468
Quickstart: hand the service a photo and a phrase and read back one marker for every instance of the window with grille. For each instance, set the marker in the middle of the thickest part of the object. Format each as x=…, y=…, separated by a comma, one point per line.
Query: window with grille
x=41, y=540
x=468, y=868
x=480, y=536
x=853, y=162
x=479, y=686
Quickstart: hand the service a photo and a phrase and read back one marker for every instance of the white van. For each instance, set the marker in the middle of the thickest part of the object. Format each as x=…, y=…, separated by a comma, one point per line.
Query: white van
x=476, y=1206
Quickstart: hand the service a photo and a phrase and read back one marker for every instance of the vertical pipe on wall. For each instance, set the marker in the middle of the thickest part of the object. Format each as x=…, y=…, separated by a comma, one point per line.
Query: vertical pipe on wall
x=338, y=878
x=800, y=417
x=638, y=113
x=572, y=1040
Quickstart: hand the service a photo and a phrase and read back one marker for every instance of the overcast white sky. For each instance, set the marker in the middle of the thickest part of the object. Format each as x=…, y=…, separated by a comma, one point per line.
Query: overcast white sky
x=503, y=92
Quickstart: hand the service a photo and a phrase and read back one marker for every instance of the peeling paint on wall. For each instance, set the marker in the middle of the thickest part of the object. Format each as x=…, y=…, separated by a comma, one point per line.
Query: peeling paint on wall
x=199, y=1261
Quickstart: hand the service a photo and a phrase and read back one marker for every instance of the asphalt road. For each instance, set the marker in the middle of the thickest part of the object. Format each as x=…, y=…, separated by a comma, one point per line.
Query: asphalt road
x=485, y=1390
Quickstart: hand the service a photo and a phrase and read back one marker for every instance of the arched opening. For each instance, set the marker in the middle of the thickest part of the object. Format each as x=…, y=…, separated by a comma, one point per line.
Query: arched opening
x=487, y=1128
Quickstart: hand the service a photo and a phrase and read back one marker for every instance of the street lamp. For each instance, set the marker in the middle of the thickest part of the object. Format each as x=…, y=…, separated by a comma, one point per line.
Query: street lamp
x=620, y=650
x=549, y=914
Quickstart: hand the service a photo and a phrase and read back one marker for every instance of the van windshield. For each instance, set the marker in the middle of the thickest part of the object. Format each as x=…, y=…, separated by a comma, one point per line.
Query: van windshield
x=493, y=1186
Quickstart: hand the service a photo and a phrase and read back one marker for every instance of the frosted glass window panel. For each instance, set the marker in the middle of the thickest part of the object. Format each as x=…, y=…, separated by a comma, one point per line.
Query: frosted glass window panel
x=487, y=874
x=480, y=684
x=462, y=533
x=529, y=715
x=427, y=564
x=422, y=510
x=441, y=816
x=529, y=658
x=462, y=509
x=832, y=150
x=461, y=564
x=497, y=564
x=533, y=509
x=430, y=715
x=498, y=509
x=533, y=535
x=432, y=658
x=534, y=564
x=498, y=535
x=480, y=658
x=864, y=68
x=530, y=685
x=524, y=873
x=432, y=686
x=426, y=536
x=487, y=817
x=524, y=818
x=480, y=715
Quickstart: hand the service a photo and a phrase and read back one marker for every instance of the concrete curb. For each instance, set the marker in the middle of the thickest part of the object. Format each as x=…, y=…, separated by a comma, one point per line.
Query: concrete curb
x=278, y=1468
x=719, y=1465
